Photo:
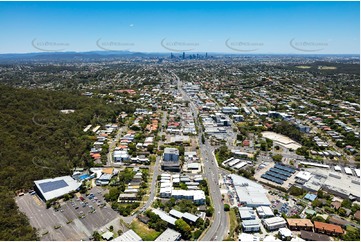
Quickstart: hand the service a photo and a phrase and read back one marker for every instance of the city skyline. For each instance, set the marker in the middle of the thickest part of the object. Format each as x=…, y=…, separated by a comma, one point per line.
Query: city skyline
x=165, y=27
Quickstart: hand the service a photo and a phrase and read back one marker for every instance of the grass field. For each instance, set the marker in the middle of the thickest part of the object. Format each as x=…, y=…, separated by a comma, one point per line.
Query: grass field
x=143, y=231
x=233, y=224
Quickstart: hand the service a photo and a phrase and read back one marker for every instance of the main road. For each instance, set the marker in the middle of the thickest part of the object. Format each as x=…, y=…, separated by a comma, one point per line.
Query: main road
x=219, y=225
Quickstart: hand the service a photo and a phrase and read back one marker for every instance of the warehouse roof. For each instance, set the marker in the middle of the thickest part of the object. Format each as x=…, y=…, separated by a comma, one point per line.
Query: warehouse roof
x=250, y=192
x=56, y=187
x=264, y=211
x=274, y=221
x=130, y=235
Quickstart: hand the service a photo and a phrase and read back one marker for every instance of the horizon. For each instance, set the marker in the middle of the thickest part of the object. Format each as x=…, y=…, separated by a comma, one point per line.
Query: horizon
x=240, y=28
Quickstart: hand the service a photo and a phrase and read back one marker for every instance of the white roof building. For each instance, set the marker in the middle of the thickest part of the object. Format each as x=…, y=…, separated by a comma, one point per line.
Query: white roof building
x=176, y=213
x=55, y=187
x=190, y=217
x=304, y=175
x=107, y=235
x=164, y=216
x=130, y=235
x=285, y=232
x=244, y=237
x=249, y=192
x=274, y=223
x=169, y=235
x=264, y=211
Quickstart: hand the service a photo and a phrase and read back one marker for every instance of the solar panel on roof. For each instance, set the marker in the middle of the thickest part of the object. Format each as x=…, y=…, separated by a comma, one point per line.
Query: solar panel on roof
x=270, y=173
x=284, y=173
x=285, y=168
x=273, y=179
x=52, y=185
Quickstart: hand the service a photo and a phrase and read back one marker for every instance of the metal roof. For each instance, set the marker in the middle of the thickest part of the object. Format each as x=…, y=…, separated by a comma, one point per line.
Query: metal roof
x=56, y=187
x=164, y=216
x=130, y=235
x=190, y=217
x=176, y=213
x=169, y=235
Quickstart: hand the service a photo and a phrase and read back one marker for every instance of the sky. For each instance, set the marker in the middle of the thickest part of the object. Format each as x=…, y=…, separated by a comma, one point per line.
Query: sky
x=228, y=27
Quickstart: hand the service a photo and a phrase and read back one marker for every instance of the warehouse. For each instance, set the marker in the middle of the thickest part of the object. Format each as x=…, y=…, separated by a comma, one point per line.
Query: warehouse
x=249, y=192
x=265, y=212
x=48, y=189
x=274, y=223
x=251, y=226
x=246, y=213
x=130, y=235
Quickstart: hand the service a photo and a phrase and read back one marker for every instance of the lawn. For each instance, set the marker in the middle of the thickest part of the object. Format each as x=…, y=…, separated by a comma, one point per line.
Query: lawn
x=143, y=231
x=233, y=224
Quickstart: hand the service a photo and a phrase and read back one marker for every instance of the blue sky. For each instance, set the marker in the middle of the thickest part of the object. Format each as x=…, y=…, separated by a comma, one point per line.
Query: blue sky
x=233, y=27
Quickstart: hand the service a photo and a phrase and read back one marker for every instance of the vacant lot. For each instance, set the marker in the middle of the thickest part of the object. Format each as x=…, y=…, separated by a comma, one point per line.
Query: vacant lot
x=143, y=231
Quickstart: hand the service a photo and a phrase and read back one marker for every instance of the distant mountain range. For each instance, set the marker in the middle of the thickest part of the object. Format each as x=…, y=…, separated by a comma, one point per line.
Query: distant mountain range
x=76, y=55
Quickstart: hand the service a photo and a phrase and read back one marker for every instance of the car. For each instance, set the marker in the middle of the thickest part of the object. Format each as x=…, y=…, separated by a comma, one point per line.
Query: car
x=76, y=207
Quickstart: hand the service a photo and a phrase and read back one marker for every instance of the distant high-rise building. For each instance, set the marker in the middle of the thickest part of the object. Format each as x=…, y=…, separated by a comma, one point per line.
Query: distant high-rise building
x=206, y=54
x=184, y=55
x=171, y=55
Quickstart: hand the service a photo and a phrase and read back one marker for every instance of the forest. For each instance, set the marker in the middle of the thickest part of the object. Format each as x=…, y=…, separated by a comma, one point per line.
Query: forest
x=38, y=141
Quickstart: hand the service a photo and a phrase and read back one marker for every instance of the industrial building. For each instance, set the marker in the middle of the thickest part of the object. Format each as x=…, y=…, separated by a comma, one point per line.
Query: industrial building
x=264, y=212
x=274, y=223
x=246, y=213
x=249, y=193
x=52, y=188
x=251, y=226
x=130, y=235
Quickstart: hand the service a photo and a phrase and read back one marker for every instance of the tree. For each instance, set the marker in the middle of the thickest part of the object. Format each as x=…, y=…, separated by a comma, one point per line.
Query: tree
x=97, y=236
x=226, y=207
x=342, y=212
x=183, y=228
x=277, y=158
x=318, y=218
x=316, y=203
x=295, y=191
x=346, y=203
x=209, y=211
